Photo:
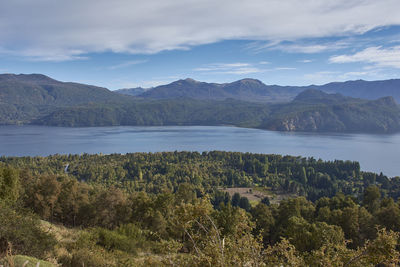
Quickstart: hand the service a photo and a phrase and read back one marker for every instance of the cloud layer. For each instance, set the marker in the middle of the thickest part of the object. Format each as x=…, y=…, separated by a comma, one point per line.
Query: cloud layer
x=230, y=68
x=378, y=56
x=63, y=30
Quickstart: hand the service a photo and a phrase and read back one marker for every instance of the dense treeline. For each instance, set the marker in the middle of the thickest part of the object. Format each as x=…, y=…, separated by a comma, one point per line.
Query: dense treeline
x=164, y=171
x=160, y=112
x=167, y=206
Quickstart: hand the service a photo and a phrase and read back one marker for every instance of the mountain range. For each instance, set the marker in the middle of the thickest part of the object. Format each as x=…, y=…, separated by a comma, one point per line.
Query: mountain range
x=256, y=91
x=38, y=99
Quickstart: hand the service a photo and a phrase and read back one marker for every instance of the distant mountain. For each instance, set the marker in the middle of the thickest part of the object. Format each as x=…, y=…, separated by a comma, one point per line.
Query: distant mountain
x=131, y=91
x=255, y=91
x=314, y=96
x=188, y=88
x=24, y=97
x=251, y=90
x=37, y=89
x=364, y=89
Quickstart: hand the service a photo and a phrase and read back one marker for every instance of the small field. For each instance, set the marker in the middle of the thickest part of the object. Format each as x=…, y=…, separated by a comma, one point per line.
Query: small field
x=255, y=195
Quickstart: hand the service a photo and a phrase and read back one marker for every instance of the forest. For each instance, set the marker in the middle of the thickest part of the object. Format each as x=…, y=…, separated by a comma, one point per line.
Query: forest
x=321, y=115
x=170, y=209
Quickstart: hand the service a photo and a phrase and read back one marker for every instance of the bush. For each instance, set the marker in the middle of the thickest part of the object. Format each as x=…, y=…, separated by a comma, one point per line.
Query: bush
x=84, y=257
x=23, y=232
x=112, y=240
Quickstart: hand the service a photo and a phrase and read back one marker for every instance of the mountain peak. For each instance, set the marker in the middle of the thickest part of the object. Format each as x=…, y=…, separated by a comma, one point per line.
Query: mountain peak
x=318, y=96
x=185, y=81
x=190, y=80
x=26, y=77
x=250, y=81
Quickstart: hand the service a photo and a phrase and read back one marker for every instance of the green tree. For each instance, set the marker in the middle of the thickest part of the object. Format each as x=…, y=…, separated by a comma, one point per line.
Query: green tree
x=9, y=185
x=236, y=199
x=371, y=198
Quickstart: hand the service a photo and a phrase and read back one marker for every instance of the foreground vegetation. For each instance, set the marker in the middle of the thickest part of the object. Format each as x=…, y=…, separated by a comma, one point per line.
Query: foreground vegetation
x=152, y=209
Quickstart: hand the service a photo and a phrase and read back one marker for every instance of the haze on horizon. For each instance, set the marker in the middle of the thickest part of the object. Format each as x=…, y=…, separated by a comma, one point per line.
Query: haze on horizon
x=120, y=44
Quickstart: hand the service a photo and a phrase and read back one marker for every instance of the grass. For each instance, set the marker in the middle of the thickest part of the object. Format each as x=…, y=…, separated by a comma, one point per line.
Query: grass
x=61, y=233
x=256, y=194
x=26, y=261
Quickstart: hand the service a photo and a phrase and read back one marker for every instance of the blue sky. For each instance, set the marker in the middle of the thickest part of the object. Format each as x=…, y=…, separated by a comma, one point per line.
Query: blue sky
x=121, y=43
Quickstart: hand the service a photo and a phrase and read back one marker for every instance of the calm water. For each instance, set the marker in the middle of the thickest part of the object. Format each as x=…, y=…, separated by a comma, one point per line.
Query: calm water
x=375, y=152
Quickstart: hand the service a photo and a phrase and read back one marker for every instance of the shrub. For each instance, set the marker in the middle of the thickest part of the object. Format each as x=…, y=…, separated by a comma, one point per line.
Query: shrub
x=23, y=231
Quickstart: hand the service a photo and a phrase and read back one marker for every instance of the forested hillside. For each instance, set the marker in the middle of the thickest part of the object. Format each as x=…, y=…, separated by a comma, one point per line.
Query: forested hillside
x=24, y=98
x=37, y=99
x=37, y=89
x=325, y=113
x=169, y=209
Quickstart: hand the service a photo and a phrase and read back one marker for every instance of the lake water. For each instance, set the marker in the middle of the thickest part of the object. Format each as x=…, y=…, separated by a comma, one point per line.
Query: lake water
x=377, y=153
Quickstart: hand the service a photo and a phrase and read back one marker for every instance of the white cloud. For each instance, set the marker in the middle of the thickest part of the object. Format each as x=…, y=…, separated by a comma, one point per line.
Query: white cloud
x=305, y=46
x=322, y=77
x=381, y=57
x=230, y=68
x=285, y=68
x=66, y=30
x=305, y=61
x=127, y=64
x=305, y=49
x=242, y=71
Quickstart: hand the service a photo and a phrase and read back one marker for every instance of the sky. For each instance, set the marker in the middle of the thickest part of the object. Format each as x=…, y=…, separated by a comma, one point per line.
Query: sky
x=130, y=43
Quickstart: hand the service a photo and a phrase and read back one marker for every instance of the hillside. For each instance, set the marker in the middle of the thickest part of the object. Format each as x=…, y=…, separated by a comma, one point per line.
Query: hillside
x=313, y=96
x=26, y=97
x=160, y=112
x=311, y=111
x=316, y=111
x=37, y=89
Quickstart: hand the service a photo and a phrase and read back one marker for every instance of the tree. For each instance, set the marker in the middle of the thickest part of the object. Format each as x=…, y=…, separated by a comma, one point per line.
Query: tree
x=42, y=196
x=71, y=202
x=264, y=220
x=9, y=185
x=265, y=201
x=236, y=199
x=112, y=208
x=244, y=203
x=303, y=176
x=371, y=198
x=283, y=254
x=185, y=193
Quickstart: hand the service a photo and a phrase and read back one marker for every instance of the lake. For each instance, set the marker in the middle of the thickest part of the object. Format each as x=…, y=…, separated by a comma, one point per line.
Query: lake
x=377, y=153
